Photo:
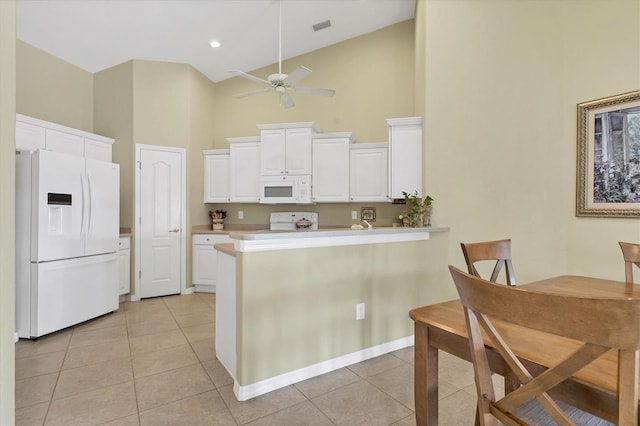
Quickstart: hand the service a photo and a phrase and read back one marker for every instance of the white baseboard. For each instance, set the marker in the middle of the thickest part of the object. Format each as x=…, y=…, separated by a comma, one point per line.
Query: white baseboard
x=189, y=290
x=208, y=288
x=246, y=392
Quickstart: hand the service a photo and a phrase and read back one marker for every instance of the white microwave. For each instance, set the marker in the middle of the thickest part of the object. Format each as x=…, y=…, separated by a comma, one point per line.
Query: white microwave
x=293, y=189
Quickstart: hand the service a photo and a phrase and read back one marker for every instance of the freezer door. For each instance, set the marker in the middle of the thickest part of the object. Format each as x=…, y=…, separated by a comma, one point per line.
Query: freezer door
x=103, y=201
x=68, y=292
x=57, y=213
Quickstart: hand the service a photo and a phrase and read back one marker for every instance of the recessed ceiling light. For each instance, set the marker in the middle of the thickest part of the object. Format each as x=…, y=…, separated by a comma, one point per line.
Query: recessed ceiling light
x=214, y=43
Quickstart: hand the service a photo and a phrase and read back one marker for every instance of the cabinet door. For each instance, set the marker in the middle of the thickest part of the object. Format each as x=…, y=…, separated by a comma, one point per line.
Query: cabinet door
x=244, y=172
x=124, y=265
x=97, y=150
x=369, y=174
x=64, y=142
x=272, y=152
x=29, y=137
x=331, y=170
x=298, y=151
x=216, y=178
x=204, y=260
x=405, y=156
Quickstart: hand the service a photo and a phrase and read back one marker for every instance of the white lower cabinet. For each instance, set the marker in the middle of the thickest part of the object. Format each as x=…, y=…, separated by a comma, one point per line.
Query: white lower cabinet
x=204, y=261
x=124, y=265
x=225, y=341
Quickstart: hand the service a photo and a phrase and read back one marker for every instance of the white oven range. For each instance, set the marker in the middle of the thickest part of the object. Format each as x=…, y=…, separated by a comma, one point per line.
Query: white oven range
x=292, y=221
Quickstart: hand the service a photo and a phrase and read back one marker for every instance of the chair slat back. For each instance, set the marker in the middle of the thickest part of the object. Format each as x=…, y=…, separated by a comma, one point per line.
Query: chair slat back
x=500, y=251
x=631, y=254
x=602, y=324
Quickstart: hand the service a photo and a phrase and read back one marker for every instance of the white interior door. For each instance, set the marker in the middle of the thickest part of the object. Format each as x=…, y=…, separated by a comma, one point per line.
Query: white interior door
x=161, y=210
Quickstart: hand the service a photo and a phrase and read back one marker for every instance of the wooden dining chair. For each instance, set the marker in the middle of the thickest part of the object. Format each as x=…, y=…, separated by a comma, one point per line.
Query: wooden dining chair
x=600, y=324
x=631, y=254
x=500, y=251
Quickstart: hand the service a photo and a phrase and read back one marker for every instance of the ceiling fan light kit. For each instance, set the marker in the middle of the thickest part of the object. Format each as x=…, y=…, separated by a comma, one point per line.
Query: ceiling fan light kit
x=282, y=83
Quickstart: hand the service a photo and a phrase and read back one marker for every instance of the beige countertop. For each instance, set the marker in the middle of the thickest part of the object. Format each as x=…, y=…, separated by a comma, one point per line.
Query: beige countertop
x=330, y=232
x=206, y=229
x=125, y=232
x=227, y=248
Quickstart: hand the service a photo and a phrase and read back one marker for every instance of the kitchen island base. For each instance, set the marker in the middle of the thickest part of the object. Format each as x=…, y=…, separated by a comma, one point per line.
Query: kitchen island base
x=286, y=304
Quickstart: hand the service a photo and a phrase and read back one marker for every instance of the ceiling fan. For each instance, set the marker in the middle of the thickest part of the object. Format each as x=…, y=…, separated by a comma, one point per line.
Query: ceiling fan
x=281, y=83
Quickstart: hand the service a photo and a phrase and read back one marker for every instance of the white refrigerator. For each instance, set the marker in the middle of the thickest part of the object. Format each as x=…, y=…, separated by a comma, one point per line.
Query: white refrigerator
x=67, y=230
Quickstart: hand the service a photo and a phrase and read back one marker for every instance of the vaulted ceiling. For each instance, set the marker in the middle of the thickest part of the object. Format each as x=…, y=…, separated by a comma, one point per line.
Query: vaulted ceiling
x=98, y=34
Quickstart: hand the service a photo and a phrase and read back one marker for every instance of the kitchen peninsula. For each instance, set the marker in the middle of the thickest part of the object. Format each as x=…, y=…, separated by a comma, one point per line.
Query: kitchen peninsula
x=288, y=302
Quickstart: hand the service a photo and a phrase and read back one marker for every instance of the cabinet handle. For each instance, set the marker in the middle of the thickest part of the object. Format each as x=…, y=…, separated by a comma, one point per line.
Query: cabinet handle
x=174, y=230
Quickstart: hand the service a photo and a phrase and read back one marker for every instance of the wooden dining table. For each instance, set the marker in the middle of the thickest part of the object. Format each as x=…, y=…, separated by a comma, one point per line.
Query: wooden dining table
x=442, y=327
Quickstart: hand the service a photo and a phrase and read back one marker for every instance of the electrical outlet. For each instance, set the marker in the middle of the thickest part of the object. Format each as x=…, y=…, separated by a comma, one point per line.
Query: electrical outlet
x=240, y=214
x=360, y=311
x=354, y=215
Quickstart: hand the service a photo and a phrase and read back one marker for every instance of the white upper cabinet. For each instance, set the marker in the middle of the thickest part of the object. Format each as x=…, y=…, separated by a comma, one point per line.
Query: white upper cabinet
x=405, y=156
x=244, y=168
x=33, y=134
x=368, y=172
x=216, y=175
x=330, y=175
x=64, y=142
x=29, y=137
x=96, y=149
x=286, y=148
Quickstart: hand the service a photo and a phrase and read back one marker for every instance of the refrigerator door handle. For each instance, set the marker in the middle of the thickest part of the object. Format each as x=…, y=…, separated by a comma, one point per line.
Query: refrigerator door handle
x=83, y=197
x=89, y=202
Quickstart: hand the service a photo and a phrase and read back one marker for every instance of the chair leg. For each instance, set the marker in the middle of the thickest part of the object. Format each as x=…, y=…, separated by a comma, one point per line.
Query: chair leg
x=511, y=383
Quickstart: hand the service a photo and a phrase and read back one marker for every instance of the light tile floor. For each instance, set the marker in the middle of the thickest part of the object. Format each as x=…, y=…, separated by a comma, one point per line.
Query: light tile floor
x=153, y=363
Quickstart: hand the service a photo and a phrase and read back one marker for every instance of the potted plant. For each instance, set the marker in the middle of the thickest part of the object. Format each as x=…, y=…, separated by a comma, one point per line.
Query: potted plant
x=217, y=219
x=418, y=211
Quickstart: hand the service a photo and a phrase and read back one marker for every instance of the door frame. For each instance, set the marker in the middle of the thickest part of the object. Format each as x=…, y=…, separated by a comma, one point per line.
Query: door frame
x=183, y=203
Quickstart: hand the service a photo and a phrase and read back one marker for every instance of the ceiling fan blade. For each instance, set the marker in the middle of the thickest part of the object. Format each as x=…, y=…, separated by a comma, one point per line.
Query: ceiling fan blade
x=254, y=92
x=297, y=75
x=250, y=77
x=314, y=91
x=286, y=101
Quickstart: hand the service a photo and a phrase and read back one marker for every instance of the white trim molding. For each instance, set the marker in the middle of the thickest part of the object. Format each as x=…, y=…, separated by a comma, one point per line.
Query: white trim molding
x=246, y=392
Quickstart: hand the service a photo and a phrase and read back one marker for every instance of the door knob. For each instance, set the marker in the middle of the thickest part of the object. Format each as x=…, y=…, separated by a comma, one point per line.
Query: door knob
x=174, y=230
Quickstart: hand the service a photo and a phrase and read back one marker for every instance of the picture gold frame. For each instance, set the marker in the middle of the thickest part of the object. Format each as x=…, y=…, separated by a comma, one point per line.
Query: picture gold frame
x=608, y=160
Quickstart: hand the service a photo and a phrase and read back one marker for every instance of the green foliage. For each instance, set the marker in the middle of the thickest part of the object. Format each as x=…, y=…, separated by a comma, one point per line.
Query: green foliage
x=417, y=207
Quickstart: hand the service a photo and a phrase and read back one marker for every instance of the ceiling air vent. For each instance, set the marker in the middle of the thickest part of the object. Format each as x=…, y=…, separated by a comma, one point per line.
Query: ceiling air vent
x=322, y=25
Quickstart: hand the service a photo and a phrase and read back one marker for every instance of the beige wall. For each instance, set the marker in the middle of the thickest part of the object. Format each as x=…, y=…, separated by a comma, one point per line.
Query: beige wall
x=372, y=75
x=52, y=89
x=7, y=209
x=113, y=116
x=502, y=83
x=203, y=123
x=157, y=103
x=286, y=324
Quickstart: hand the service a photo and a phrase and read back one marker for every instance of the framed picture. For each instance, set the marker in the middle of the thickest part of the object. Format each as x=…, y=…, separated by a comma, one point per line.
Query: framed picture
x=368, y=214
x=608, y=162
